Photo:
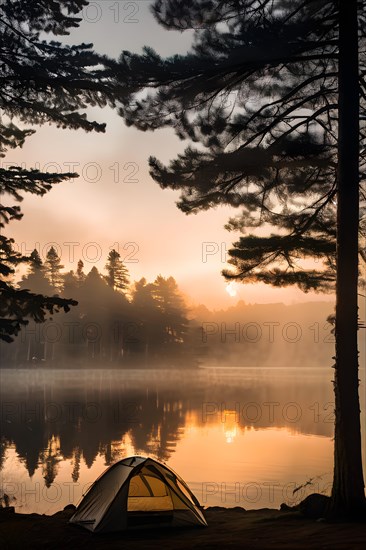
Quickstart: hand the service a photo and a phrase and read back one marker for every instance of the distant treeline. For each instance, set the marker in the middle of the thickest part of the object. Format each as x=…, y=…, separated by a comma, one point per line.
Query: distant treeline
x=268, y=335
x=114, y=323
x=148, y=324
x=273, y=335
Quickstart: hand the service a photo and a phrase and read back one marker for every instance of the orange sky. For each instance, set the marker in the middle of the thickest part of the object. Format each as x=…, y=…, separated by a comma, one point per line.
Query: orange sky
x=114, y=203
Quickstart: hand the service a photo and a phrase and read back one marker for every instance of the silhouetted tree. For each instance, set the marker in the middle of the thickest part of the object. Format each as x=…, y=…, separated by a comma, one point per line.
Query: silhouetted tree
x=53, y=268
x=30, y=344
x=142, y=295
x=76, y=465
x=50, y=459
x=105, y=315
x=172, y=308
x=161, y=316
x=42, y=81
x=150, y=332
x=80, y=275
x=70, y=283
x=35, y=262
x=36, y=280
x=271, y=94
x=117, y=274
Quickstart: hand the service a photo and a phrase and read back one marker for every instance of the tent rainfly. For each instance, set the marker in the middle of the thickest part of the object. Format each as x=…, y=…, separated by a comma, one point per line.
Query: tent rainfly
x=137, y=492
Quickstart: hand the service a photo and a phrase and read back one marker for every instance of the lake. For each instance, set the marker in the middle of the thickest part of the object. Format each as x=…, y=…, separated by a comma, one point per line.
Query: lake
x=239, y=437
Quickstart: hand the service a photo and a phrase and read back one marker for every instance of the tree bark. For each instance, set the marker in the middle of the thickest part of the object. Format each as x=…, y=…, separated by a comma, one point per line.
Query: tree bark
x=348, y=495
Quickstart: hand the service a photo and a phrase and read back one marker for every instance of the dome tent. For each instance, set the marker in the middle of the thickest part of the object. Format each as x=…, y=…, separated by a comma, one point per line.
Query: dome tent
x=137, y=491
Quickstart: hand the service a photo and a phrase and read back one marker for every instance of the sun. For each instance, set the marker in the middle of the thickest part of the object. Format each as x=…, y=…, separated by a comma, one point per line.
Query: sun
x=231, y=290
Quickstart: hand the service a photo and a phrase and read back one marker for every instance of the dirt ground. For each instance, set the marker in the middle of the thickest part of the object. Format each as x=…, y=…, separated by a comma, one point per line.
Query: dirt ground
x=227, y=528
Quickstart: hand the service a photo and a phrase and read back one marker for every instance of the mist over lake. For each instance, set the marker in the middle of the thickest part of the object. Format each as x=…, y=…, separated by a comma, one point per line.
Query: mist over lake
x=240, y=437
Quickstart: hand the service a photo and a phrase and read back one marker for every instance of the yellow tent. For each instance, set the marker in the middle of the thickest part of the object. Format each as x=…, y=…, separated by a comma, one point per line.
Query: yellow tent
x=137, y=491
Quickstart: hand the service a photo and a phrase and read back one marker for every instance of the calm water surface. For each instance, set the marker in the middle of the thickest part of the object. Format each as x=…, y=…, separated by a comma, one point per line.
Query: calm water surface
x=239, y=437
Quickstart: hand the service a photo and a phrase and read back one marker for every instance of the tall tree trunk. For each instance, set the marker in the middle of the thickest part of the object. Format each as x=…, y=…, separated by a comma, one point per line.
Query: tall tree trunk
x=348, y=496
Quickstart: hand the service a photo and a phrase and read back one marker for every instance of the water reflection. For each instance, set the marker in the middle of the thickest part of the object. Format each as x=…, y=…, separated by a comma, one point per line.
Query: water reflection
x=219, y=430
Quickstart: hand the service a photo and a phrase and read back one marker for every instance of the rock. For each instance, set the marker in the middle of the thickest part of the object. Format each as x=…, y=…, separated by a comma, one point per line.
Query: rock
x=70, y=507
x=7, y=509
x=314, y=506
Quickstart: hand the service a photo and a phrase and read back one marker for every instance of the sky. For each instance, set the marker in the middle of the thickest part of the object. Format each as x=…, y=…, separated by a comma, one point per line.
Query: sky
x=114, y=203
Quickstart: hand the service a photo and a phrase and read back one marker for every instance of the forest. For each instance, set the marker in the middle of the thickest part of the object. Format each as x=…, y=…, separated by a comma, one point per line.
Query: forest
x=109, y=322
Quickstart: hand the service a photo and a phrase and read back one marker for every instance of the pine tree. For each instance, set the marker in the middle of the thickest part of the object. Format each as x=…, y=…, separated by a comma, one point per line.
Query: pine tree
x=117, y=274
x=148, y=315
x=35, y=262
x=270, y=92
x=171, y=305
x=36, y=280
x=70, y=283
x=80, y=275
x=42, y=81
x=53, y=269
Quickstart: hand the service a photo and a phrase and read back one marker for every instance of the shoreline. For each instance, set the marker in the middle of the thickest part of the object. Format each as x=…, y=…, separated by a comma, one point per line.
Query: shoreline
x=228, y=528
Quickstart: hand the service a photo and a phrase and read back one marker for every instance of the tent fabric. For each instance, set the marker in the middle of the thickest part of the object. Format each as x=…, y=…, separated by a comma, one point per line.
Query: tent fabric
x=137, y=491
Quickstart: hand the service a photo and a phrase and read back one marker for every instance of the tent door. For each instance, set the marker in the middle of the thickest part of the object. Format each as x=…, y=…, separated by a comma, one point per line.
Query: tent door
x=149, y=501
